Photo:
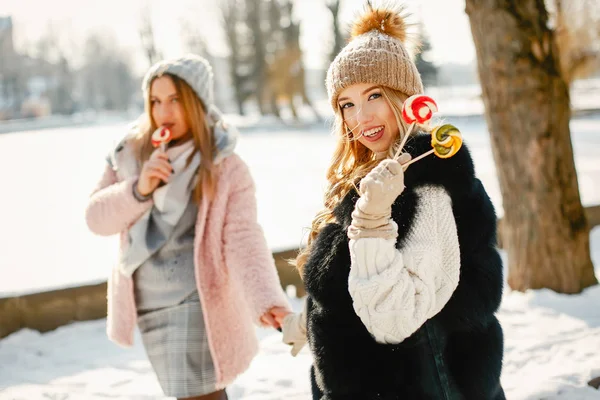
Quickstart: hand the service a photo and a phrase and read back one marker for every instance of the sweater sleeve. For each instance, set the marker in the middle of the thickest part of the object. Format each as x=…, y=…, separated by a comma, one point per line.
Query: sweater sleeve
x=394, y=292
x=112, y=207
x=246, y=250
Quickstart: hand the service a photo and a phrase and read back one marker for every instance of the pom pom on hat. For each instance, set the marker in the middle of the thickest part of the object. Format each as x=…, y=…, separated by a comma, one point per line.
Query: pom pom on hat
x=389, y=21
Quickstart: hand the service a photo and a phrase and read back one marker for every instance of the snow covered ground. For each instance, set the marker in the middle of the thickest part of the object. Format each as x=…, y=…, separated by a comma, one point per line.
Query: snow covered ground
x=552, y=350
x=552, y=341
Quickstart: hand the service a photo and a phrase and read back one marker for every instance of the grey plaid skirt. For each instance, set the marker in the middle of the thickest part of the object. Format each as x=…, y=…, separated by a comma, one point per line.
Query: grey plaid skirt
x=177, y=347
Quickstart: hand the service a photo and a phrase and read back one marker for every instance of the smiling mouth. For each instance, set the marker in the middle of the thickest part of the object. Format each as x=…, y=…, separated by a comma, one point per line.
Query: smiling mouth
x=372, y=132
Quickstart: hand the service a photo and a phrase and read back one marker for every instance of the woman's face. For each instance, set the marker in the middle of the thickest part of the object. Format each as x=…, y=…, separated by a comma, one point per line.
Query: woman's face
x=166, y=107
x=369, y=116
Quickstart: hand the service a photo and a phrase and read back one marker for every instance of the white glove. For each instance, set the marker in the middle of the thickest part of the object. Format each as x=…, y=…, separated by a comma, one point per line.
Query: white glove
x=380, y=187
x=294, y=330
x=378, y=191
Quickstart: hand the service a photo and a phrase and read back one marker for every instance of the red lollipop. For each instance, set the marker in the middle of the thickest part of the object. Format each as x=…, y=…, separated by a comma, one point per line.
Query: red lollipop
x=416, y=109
x=161, y=137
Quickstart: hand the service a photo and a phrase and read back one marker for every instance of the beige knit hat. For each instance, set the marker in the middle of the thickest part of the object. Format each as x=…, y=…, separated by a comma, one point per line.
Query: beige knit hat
x=376, y=54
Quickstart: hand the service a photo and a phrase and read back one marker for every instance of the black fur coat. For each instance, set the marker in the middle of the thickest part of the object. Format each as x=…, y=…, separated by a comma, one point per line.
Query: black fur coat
x=455, y=355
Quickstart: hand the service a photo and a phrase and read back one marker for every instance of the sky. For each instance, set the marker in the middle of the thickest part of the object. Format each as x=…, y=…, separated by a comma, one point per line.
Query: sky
x=445, y=22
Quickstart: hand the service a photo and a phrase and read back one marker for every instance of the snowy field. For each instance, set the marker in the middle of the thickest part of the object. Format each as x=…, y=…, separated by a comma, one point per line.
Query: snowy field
x=552, y=341
x=48, y=175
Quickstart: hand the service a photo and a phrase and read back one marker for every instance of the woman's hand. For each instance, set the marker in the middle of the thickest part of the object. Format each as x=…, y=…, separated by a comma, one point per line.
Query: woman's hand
x=156, y=169
x=274, y=317
x=378, y=191
x=380, y=187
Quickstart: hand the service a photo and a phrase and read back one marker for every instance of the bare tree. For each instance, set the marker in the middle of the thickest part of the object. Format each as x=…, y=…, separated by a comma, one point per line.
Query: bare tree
x=107, y=79
x=191, y=36
x=286, y=74
x=236, y=34
x=12, y=71
x=146, y=31
x=265, y=54
x=254, y=17
x=526, y=98
x=338, y=37
x=427, y=68
x=61, y=95
x=274, y=39
x=57, y=70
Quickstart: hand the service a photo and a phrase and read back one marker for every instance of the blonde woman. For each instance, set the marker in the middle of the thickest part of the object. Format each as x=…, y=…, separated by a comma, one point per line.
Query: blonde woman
x=194, y=270
x=402, y=274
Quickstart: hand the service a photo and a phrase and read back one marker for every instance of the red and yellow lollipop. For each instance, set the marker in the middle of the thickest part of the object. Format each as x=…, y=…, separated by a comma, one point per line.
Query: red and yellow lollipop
x=446, y=140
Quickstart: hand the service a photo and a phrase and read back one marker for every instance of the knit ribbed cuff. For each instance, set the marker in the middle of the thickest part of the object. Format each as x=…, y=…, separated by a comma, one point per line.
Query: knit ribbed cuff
x=368, y=226
x=365, y=220
x=138, y=196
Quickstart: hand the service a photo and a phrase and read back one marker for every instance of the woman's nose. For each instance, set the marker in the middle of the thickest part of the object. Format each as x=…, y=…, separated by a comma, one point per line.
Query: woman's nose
x=163, y=111
x=364, y=116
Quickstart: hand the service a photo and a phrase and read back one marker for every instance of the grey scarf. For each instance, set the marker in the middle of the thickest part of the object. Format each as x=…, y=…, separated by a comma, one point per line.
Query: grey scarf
x=152, y=230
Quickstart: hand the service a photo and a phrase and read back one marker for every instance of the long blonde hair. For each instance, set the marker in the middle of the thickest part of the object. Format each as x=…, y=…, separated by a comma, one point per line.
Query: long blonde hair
x=202, y=135
x=351, y=161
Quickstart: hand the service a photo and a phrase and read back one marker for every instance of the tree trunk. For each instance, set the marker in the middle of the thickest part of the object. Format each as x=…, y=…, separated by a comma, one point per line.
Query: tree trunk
x=546, y=233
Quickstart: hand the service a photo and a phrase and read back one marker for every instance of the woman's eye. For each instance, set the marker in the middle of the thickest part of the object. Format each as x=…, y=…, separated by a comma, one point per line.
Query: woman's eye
x=175, y=100
x=346, y=105
x=374, y=96
x=153, y=102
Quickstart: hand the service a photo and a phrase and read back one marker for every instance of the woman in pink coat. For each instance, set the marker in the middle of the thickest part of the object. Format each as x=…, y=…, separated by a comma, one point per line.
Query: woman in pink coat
x=194, y=271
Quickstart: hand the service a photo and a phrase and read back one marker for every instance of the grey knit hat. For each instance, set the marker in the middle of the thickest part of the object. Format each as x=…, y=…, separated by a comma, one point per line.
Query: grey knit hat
x=376, y=54
x=193, y=69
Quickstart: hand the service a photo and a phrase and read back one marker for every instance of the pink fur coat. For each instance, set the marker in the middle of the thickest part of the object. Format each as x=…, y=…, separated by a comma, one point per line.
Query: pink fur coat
x=235, y=272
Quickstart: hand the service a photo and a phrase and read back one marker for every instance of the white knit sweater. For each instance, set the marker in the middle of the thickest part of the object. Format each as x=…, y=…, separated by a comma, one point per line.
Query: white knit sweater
x=395, y=291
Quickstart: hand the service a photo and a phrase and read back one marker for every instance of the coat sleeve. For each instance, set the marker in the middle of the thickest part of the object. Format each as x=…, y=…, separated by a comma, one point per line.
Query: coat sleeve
x=112, y=208
x=325, y=273
x=246, y=250
x=394, y=291
x=479, y=292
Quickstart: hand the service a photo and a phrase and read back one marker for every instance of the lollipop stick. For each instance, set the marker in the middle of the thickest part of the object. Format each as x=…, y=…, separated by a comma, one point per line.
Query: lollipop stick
x=163, y=147
x=410, y=128
x=404, y=166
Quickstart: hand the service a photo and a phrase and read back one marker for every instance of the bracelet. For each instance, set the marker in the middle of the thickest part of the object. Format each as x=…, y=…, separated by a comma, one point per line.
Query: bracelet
x=138, y=196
